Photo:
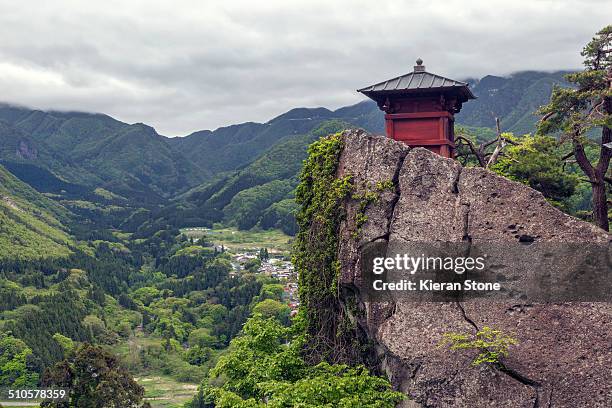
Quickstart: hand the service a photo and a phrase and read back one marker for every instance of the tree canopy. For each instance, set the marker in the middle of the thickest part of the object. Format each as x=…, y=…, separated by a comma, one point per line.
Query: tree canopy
x=538, y=162
x=95, y=379
x=265, y=368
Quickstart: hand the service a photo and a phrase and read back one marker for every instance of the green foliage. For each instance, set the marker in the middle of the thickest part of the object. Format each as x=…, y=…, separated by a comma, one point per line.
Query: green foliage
x=281, y=215
x=320, y=195
x=538, y=162
x=368, y=196
x=477, y=134
x=252, y=265
x=198, y=356
x=492, y=345
x=263, y=254
x=178, y=305
x=65, y=343
x=95, y=378
x=49, y=313
x=264, y=368
x=274, y=291
x=14, y=368
x=259, y=354
x=386, y=185
x=273, y=308
x=248, y=197
x=247, y=206
x=146, y=295
x=333, y=386
x=95, y=326
x=97, y=151
x=97, y=294
x=50, y=303
x=202, y=338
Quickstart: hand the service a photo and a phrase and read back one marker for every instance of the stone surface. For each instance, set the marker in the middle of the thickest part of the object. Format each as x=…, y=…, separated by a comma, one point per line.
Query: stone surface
x=370, y=161
x=565, y=353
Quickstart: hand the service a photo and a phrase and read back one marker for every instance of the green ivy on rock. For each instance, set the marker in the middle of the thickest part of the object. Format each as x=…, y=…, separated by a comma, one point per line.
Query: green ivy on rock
x=331, y=335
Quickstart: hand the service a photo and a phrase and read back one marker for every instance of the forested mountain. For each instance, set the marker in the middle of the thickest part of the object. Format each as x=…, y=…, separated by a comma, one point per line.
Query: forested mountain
x=261, y=192
x=31, y=225
x=124, y=175
x=86, y=151
x=230, y=148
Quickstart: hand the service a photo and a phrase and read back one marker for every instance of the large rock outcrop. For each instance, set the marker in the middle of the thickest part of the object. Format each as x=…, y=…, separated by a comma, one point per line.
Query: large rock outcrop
x=565, y=352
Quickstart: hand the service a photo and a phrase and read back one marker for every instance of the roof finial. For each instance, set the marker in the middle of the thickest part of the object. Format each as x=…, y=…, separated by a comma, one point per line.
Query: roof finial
x=419, y=67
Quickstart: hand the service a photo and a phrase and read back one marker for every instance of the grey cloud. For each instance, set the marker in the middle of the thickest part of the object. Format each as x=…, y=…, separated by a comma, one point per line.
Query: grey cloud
x=188, y=65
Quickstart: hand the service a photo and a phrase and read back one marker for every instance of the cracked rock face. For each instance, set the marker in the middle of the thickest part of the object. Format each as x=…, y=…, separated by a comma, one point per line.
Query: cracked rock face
x=564, y=354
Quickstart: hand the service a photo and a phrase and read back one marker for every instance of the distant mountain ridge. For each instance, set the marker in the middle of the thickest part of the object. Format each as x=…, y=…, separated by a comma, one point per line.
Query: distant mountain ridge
x=96, y=150
x=513, y=99
x=207, y=176
x=231, y=147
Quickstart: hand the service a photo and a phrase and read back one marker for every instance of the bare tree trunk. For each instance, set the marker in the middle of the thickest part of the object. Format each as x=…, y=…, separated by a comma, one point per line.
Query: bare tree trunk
x=495, y=155
x=600, y=201
x=600, y=205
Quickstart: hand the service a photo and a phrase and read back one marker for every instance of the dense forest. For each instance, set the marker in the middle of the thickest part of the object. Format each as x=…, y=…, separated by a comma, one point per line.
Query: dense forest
x=183, y=298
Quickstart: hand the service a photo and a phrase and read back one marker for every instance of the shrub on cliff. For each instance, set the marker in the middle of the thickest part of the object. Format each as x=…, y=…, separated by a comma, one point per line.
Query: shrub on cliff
x=265, y=368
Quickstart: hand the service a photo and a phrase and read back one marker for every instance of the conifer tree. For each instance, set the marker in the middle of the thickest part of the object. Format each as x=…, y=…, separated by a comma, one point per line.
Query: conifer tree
x=586, y=108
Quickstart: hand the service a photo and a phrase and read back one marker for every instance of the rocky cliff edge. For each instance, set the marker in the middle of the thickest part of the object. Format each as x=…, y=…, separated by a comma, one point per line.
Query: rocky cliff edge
x=564, y=354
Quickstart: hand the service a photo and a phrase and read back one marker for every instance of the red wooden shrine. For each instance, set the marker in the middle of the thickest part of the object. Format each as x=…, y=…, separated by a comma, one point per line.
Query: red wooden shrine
x=419, y=108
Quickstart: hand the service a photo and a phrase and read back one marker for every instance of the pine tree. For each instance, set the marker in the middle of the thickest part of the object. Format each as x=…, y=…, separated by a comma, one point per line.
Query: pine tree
x=576, y=111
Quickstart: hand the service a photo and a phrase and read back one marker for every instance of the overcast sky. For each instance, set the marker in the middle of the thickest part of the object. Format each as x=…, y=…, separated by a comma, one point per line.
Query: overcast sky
x=182, y=66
